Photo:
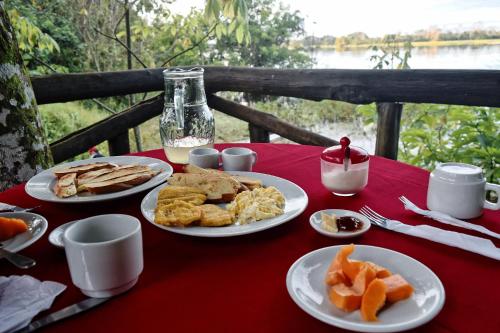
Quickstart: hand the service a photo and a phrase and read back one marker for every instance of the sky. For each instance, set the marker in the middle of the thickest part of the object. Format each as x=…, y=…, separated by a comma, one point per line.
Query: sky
x=379, y=17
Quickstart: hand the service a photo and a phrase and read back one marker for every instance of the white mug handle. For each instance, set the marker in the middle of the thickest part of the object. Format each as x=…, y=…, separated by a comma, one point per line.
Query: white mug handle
x=491, y=205
x=255, y=158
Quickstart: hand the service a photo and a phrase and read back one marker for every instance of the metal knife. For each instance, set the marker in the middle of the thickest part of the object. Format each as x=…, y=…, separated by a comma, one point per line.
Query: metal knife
x=68, y=311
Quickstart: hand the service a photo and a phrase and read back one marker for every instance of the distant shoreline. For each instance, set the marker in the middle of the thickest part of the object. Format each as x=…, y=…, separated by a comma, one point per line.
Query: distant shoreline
x=436, y=43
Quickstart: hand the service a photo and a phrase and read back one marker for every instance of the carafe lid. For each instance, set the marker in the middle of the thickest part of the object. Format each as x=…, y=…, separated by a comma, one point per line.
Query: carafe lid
x=337, y=154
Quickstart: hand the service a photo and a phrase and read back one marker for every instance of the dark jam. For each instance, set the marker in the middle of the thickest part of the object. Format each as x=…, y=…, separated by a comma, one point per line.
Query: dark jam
x=349, y=223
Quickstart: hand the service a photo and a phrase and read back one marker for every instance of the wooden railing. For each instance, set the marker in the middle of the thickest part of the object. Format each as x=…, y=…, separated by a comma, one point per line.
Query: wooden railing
x=388, y=88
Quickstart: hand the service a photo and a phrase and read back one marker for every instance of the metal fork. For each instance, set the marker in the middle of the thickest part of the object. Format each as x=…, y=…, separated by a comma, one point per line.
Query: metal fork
x=466, y=242
x=374, y=217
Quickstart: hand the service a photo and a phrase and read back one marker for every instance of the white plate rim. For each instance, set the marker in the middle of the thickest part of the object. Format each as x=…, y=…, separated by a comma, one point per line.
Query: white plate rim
x=260, y=225
x=43, y=228
x=340, y=234
x=47, y=195
x=345, y=324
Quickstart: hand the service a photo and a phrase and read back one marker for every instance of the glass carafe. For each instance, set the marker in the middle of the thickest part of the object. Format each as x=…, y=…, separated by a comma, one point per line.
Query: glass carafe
x=186, y=122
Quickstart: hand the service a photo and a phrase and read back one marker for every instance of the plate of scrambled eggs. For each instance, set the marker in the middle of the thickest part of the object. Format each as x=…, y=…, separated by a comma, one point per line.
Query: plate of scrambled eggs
x=276, y=202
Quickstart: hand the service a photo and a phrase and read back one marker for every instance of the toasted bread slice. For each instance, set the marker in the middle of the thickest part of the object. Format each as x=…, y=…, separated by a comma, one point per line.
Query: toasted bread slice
x=195, y=169
x=190, y=168
x=171, y=191
x=214, y=216
x=79, y=169
x=249, y=182
x=217, y=189
x=120, y=183
x=87, y=177
x=65, y=186
x=115, y=174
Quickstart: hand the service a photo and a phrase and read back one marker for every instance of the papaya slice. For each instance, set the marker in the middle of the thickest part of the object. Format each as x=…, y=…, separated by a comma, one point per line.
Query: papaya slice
x=10, y=227
x=334, y=273
x=345, y=298
x=336, y=277
x=373, y=300
x=351, y=268
x=397, y=288
x=381, y=272
x=365, y=276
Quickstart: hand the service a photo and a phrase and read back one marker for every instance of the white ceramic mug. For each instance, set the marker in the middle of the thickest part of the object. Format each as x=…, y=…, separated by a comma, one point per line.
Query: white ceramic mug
x=204, y=157
x=104, y=254
x=459, y=189
x=238, y=159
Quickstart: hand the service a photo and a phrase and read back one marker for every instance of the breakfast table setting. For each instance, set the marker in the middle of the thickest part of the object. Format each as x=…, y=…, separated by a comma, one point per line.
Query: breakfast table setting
x=268, y=275
x=248, y=237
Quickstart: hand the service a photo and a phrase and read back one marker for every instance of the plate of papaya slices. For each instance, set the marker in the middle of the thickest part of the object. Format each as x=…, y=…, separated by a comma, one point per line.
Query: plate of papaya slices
x=365, y=288
x=19, y=230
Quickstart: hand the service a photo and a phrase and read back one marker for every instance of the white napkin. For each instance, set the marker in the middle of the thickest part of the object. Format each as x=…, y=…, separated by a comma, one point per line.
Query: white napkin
x=447, y=219
x=22, y=298
x=474, y=244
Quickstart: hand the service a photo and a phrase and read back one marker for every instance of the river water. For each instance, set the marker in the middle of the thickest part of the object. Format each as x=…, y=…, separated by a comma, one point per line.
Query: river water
x=444, y=57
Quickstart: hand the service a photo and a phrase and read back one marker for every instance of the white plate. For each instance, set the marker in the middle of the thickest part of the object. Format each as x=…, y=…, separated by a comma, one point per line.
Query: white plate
x=306, y=286
x=315, y=221
x=39, y=226
x=40, y=186
x=55, y=237
x=295, y=202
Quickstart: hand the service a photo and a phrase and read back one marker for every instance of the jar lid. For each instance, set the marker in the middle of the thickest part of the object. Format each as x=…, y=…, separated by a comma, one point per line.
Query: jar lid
x=337, y=154
x=458, y=172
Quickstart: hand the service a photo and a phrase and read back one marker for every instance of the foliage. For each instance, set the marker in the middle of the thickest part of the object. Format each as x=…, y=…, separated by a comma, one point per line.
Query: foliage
x=433, y=133
x=441, y=133
x=306, y=113
x=389, y=55
x=46, y=33
x=61, y=119
x=271, y=28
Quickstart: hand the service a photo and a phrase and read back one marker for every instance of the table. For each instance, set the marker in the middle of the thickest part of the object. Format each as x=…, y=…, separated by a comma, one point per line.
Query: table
x=238, y=284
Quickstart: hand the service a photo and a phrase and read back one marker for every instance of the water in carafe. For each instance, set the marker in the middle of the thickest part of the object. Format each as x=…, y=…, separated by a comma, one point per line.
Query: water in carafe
x=186, y=122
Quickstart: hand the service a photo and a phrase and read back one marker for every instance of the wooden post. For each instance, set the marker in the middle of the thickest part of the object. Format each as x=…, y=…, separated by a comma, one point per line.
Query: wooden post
x=119, y=145
x=258, y=134
x=388, y=126
x=137, y=129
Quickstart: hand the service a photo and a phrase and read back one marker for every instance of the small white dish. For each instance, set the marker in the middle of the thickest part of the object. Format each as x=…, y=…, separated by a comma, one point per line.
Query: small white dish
x=56, y=235
x=296, y=201
x=315, y=221
x=38, y=225
x=41, y=185
x=306, y=286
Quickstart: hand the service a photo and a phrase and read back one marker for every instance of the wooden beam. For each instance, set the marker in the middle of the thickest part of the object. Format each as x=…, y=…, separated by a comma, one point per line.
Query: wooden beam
x=461, y=87
x=80, y=141
x=269, y=122
x=258, y=134
x=388, y=127
x=119, y=145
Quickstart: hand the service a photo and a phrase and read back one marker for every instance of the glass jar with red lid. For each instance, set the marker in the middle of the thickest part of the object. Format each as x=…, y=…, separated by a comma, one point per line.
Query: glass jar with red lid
x=344, y=168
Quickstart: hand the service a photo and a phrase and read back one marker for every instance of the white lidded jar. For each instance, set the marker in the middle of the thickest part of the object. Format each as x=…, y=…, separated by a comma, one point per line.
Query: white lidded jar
x=459, y=190
x=344, y=168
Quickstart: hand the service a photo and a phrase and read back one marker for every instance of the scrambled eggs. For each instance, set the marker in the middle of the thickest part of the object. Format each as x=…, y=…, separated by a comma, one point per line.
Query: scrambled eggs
x=258, y=204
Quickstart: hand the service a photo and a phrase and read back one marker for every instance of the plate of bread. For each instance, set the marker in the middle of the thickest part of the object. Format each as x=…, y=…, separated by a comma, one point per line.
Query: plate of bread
x=98, y=179
x=212, y=203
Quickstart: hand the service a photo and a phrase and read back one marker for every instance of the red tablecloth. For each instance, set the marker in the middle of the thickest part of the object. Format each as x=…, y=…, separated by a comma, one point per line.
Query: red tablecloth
x=237, y=284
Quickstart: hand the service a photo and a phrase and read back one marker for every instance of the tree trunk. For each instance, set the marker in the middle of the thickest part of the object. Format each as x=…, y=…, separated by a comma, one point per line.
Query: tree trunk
x=24, y=149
